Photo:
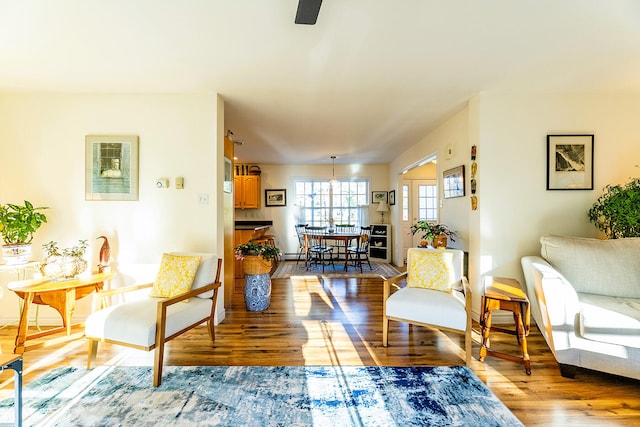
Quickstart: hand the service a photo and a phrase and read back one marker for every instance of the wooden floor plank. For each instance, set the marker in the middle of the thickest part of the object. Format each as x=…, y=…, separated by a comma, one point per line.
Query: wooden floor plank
x=325, y=322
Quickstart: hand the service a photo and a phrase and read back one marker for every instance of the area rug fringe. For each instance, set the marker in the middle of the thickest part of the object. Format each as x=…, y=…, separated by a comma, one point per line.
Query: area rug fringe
x=261, y=396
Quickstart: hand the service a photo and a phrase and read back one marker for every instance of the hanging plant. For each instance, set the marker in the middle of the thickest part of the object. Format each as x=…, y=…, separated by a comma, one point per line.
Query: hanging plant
x=617, y=210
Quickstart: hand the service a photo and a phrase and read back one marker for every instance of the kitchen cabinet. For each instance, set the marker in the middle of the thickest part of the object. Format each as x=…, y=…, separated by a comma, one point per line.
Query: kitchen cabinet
x=246, y=191
x=380, y=244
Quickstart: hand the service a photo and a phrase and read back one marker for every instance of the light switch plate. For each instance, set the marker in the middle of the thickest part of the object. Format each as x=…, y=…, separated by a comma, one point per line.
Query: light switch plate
x=180, y=183
x=449, y=151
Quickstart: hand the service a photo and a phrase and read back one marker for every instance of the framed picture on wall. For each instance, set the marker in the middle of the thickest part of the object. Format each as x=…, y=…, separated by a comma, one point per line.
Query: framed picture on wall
x=378, y=196
x=392, y=197
x=111, y=167
x=453, y=182
x=569, y=162
x=228, y=183
x=275, y=197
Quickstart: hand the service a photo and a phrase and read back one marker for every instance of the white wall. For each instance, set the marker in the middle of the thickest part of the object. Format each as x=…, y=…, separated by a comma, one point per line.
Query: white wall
x=283, y=176
x=42, y=160
x=455, y=211
x=514, y=207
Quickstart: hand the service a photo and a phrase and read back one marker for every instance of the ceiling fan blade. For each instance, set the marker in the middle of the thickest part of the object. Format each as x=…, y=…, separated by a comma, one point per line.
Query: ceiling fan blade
x=308, y=10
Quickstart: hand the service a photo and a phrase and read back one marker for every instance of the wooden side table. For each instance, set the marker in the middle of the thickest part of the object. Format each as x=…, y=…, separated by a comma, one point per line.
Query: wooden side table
x=58, y=294
x=14, y=361
x=501, y=293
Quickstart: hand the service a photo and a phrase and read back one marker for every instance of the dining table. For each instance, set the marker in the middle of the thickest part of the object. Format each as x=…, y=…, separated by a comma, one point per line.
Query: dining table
x=347, y=238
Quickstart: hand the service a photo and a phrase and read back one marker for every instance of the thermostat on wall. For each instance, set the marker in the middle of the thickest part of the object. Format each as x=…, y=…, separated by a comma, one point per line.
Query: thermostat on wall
x=162, y=183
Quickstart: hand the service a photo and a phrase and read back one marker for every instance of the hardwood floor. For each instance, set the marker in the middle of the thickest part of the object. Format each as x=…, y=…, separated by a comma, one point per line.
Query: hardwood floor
x=315, y=322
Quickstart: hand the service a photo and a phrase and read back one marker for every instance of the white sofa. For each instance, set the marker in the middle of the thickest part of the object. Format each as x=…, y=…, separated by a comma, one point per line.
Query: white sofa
x=585, y=299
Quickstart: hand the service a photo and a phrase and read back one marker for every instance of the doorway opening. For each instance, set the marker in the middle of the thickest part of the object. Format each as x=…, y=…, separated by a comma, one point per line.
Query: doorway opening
x=418, y=200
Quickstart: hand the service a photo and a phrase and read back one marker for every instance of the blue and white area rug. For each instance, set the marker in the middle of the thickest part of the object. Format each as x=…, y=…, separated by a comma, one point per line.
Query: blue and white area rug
x=261, y=396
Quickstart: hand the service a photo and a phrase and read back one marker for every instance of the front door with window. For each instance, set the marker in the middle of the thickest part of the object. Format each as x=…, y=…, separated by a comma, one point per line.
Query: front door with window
x=418, y=202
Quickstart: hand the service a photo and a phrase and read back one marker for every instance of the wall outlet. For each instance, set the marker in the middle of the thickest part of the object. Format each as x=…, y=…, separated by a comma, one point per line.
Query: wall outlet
x=203, y=199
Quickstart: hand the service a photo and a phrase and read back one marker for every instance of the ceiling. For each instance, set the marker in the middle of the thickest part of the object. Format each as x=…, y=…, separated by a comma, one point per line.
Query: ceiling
x=369, y=80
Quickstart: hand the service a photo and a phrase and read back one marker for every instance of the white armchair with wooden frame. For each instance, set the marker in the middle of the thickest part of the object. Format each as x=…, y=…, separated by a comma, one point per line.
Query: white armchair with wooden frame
x=182, y=297
x=436, y=294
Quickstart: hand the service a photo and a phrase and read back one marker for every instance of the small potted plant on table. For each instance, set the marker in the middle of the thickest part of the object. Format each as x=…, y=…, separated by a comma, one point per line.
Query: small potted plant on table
x=17, y=226
x=64, y=263
x=258, y=261
x=436, y=234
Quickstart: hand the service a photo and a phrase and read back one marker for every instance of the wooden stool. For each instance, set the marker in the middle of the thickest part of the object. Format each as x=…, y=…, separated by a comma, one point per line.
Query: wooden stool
x=501, y=293
x=14, y=361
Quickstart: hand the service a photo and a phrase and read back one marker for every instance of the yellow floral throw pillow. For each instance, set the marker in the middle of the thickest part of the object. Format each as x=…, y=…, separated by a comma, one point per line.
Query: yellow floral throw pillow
x=430, y=269
x=176, y=275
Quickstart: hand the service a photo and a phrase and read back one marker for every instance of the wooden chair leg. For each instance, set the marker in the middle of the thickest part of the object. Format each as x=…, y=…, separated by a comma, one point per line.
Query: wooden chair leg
x=158, y=359
x=91, y=354
x=212, y=331
x=467, y=346
x=385, y=331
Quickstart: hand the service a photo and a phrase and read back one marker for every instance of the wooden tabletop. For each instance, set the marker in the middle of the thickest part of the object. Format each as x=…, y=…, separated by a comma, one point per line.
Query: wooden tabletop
x=504, y=289
x=6, y=359
x=46, y=284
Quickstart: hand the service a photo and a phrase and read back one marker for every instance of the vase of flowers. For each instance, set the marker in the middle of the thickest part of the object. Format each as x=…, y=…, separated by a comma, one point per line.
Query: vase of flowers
x=436, y=234
x=258, y=261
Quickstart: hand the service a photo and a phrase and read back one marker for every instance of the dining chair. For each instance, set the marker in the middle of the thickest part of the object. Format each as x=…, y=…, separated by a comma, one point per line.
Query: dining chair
x=341, y=245
x=302, y=245
x=318, y=251
x=359, y=253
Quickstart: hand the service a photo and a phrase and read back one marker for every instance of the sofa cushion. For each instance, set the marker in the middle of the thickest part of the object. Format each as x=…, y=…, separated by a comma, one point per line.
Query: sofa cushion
x=444, y=309
x=593, y=266
x=610, y=319
x=175, y=276
x=206, y=273
x=430, y=269
x=135, y=322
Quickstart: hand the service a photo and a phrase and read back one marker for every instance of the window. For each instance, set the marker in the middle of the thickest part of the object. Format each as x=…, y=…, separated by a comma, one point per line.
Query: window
x=427, y=203
x=405, y=202
x=318, y=203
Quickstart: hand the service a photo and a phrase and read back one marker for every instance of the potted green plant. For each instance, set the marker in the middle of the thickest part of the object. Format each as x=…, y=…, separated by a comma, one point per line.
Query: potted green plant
x=263, y=253
x=436, y=234
x=617, y=211
x=257, y=263
x=17, y=226
x=64, y=263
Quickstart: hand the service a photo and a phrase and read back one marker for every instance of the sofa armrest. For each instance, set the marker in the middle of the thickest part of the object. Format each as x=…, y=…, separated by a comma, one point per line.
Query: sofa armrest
x=554, y=303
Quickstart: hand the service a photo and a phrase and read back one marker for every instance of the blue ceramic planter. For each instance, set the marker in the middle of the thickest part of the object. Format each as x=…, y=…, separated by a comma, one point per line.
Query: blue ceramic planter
x=257, y=291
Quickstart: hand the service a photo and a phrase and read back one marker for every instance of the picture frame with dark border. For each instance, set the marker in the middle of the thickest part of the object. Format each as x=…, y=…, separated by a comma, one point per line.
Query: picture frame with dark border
x=570, y=162
x=275, y=197
x=453, y=182
x=378, y=196
x=228, y=175
x=111, y=167
x=392, y=197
